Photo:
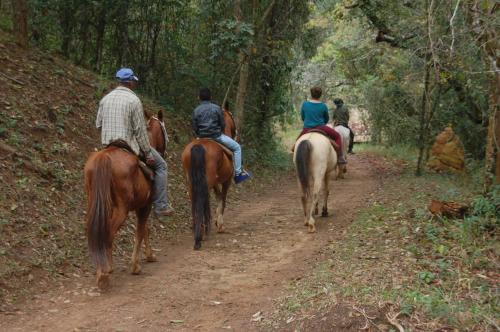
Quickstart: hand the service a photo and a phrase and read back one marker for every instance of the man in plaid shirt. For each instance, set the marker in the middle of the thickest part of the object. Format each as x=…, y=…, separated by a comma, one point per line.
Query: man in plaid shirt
x=121, y=117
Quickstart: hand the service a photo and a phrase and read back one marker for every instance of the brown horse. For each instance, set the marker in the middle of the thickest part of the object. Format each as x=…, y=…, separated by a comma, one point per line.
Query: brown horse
x=208, y=167
x=157, y=133
x=230, y=128
x=115, y=185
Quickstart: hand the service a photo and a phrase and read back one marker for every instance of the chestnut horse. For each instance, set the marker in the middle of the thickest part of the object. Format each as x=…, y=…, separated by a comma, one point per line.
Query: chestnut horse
x=230, y=128
x=207, y=167
x=115, y=185
x=157, y=133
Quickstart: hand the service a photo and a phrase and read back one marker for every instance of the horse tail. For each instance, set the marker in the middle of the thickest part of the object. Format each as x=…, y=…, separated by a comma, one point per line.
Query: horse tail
x=200, y=207
x=99, y=210
x=302, y=157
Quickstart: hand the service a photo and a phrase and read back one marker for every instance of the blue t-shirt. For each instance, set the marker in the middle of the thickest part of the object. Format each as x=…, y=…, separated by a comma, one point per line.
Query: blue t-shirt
x=314, y=114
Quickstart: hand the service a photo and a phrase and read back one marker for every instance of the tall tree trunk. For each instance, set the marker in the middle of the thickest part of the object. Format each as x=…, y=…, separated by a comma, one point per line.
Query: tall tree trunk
x=423, y=115
x=101, y=28
x=241, y=93
x=493, y=138
x=425, y=94
x=481, y=13
x=20, y=22
x=67, y=21
x=245, y=58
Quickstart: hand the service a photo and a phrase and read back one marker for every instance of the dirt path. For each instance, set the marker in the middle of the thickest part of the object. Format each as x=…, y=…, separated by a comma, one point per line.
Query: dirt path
x=235, y=275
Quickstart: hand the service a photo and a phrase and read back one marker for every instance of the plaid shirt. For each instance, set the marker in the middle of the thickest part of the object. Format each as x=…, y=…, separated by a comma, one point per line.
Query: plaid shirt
x=121, y=116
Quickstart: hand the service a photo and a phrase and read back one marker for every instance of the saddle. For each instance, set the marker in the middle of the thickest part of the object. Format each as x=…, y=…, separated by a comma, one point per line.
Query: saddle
x=319, y=131
x=146, y=170
x=226, y=151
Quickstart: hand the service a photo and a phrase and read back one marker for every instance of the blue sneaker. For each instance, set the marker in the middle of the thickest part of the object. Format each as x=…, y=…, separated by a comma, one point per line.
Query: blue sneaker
x=242, y=177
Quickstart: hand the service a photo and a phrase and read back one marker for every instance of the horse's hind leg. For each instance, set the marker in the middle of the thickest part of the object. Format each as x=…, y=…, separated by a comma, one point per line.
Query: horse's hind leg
x=140, y=232
x=314, y=201
x=221, y=195
x=143, y=214
x=326, y=192
x=109, y=253
x=225, y=189
x=117, y=219
x=341, y=169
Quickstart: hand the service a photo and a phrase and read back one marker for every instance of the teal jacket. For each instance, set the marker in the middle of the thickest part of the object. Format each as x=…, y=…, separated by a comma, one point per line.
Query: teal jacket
x=314, y=114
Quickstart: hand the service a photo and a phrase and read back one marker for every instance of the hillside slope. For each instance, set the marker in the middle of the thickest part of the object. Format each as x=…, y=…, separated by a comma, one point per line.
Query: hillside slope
x=47, y=114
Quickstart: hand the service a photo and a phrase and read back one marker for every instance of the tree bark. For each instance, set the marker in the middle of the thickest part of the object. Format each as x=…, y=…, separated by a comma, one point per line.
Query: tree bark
x=101, y=28
x=480, y=14
x=20, y=22
x=245, y=60
x=241, y=93
x=425, y=94
x=423, y=116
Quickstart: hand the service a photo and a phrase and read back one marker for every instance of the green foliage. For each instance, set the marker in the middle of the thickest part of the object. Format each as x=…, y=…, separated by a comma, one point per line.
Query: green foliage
x=176, y=47
x=386, y=77
x=426, y=277
x=231, y=36
x=488, y=206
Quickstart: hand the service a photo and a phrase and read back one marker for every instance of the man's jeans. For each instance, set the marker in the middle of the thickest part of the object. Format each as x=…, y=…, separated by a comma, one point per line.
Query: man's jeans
x=160, y=182
x=232, y=145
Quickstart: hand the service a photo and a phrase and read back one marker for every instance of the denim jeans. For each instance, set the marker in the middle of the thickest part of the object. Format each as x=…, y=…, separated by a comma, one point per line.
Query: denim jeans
x=232, y=145
x=160, y=183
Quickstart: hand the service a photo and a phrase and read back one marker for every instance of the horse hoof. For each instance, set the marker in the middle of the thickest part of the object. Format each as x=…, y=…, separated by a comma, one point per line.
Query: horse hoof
x=324, y=214
x=312, y=229
x=151, y=259
x=220, y=229
x=103, y=281
x=136, y=269
x=197, y=246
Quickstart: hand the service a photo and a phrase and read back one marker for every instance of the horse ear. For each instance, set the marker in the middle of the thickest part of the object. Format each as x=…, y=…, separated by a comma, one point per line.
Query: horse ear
x=160, y=115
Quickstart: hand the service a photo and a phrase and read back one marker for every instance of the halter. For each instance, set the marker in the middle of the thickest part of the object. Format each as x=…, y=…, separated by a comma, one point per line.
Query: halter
x=163, y=128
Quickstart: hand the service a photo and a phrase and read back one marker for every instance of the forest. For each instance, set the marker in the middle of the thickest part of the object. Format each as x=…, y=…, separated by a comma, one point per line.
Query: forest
x=415, y=66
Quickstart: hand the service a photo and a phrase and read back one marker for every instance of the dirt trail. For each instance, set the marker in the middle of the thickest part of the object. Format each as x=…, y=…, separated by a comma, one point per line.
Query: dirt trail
x=235, y=275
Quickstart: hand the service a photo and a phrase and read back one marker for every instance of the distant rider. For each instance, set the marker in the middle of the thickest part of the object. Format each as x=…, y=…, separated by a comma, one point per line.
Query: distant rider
x=314, y=113
x=121, y=117
x=341, y=118
x=208, y=122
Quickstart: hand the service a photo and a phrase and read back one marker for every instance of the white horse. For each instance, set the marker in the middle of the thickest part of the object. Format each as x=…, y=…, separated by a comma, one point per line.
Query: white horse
x=346, y=138
x=315, y=160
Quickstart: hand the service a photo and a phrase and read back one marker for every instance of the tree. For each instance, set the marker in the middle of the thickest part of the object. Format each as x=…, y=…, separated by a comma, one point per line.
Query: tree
x=20, y=22
x=482, y=16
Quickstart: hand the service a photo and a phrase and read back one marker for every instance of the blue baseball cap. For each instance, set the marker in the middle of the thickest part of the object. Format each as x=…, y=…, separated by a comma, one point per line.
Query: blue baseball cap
x=126, y=75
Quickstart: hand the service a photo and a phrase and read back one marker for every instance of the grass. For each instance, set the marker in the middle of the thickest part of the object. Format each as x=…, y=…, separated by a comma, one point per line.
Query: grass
x=404, y=153
x=438, y=272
